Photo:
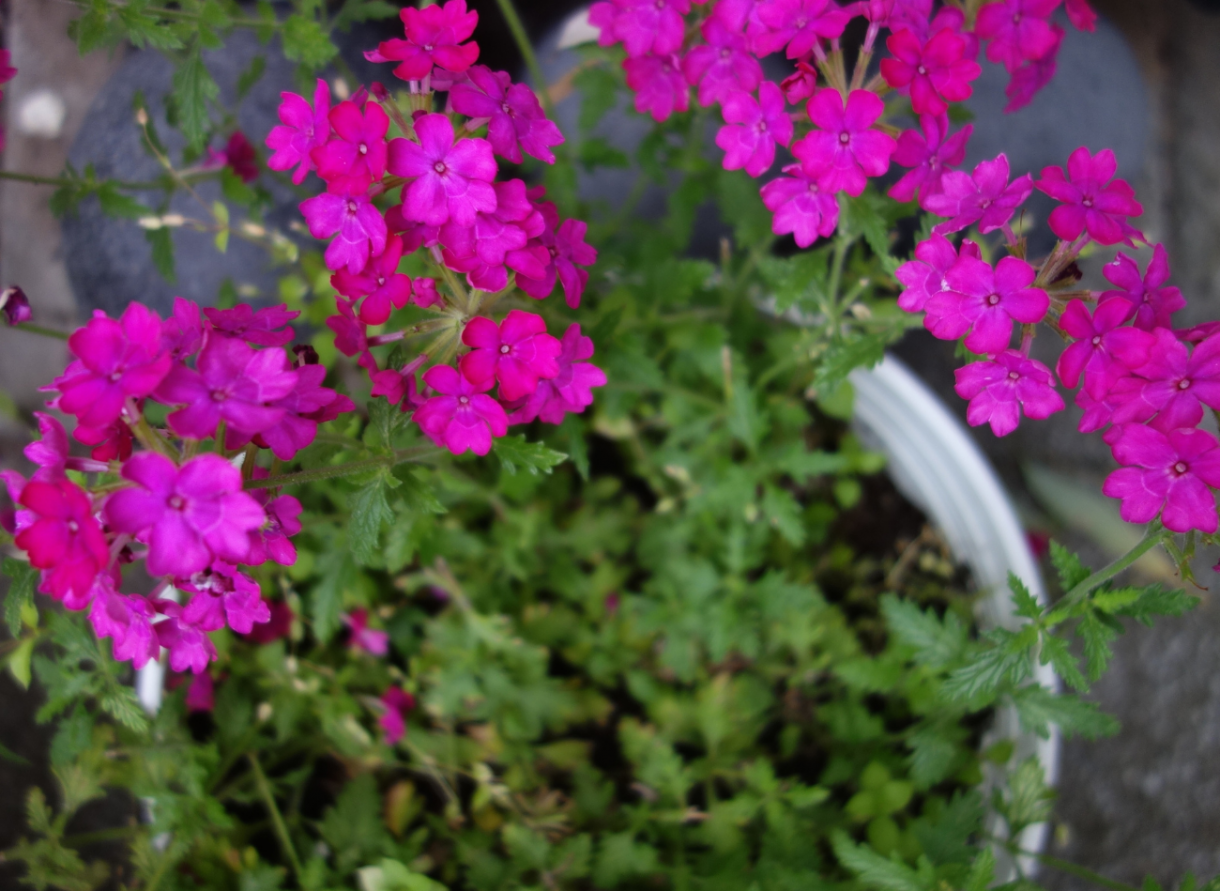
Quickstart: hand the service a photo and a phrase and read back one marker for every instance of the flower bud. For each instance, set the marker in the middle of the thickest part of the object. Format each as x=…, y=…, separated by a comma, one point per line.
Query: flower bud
x=15, y=305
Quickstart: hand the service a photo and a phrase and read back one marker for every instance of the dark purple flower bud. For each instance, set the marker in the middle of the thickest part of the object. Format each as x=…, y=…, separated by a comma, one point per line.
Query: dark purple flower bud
x=305, y=355
x=15, y=305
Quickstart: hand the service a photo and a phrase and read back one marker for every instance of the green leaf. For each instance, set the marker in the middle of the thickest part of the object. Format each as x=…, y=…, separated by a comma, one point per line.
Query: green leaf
x=1071, y=571
x=1097, y=636
x=19, y=662
x=326, y=599
x=1038, y=708
x=20, y=591
x=936, y=643
x=251, y=75
x=873, y=870
x=620, y=856
x=221, y=211
x=121, y=703
x=598, y=152
x=116, y=204
x=1055, y=651
x=854, y=351
x=598, y=85
x=194, y=88
x=1155, y=600
x=784, y=514
x=797, y=280
x=162, y=243
x=933, y=756
x=1029, y=799
x=307, y=42
x=982, y=872
x=390, y=875
x=742, y=207
x=517, y=454
x=865, y=215
x=1026, y=604
x=7, y=754
x=370, y=511
x=946, y=838
x=353, y=827
x=988, y=671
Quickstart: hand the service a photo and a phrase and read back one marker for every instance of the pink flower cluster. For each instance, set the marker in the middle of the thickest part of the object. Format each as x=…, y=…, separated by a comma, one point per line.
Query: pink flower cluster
x=1144, y=383
x=840, y=139
x=225, y=382
x=459, y=217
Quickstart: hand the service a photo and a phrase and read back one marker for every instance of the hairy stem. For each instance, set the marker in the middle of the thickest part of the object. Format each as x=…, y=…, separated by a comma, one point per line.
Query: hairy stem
x=281, y=830
x=1066, y=866
x=40, y=330
x=1154, y=536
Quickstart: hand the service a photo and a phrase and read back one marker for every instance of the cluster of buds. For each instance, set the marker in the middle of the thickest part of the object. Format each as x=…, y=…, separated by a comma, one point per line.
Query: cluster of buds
x=501, y=236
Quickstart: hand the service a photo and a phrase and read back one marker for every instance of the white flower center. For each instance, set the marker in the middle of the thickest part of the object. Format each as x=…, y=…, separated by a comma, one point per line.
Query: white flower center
x=993, y=299
x=1096, y=340
x=504, y=349
x=1013, y=376
x=1180, y=467
x=845, y=137
x=463, y=399
x=363, y=149
x=1184, y=384
x=439, y=167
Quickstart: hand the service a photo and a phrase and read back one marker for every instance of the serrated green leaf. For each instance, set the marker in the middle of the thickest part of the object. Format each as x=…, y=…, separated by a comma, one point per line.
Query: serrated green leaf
x=162, y=243
x=1055, y=651
x=1071, y=571
x=194, y=89
x=370, y=511
x=517, y=454
x=19, y=662
x=1155, y=600
x=933, y=756
x=251, y=76
x=986, y=673
x=1029, y=799
x=857, y=350
x=783, y=514
x=221, y=212
x=936, y=643
x=873, y=870
x=306, y=41
x=1097, y=636
x=326, y=598
x=1025, y=603
x=20, y=591
x=1038, y=708
x=598, y=85
x=122, y=705
x=116, y=204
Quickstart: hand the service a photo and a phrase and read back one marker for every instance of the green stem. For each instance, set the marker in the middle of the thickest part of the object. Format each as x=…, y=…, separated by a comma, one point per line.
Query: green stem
x=264, y=790
x=45, y=332
x=527, y=52
x=80, y=839
x=1072, y=869
x=59, y=181
x=325, y=473
x=1153, y=537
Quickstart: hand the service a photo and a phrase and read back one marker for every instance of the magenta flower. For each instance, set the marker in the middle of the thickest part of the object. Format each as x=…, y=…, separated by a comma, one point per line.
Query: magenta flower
x=264, y=327
x=987, y=302
x=359, y=226
x=494, y=235
x=1001, y=389
x=15, y=305
x=1153, y=305
x=568, y=252
x=845, y=152
x=926, y=274
x=569, y=391
x=1081, y=15
x=800, y=84
x=984, y=197
x=517, y=353
x=183, y=333
x=1031, y=77
x=372, y=641
x=450, y=181
x=1104, y=350
x=300, y=412
x=396, y=705
x=199, y=695
x=380, y=284
x=118, y=360
x=127, y=619
x=398, y=386
x=64, y=538
x=801, y=207
x=1168, y=474
x=1173, y=384
x=223, y=596
x=435, y=36
x=752, y=128
x=462, y=417
x=303, y=130
x=937, y=72
x=797, y=24
x=721, y=65
x=233, y=383
x=515, y=119
x=189, y=648
x=931, y=154
x=425, y=294
x=1019, y=30
x=643, y=26
x=350, y=336
x=273, y=540
x=356, y=157
x=1091, y=201
x=658, y=84
x=110, y=442
x=189, y=516
x=1097, y=411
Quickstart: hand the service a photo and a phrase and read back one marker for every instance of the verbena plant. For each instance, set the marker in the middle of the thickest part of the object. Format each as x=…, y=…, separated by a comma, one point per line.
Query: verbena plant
x=638, y=647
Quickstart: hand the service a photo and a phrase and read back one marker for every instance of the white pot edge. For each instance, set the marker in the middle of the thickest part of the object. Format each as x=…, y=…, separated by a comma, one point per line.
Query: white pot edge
x=934, y=462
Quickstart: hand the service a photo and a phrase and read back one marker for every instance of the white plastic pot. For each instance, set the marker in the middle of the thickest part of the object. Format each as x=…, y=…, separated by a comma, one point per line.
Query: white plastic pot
x=937, y=466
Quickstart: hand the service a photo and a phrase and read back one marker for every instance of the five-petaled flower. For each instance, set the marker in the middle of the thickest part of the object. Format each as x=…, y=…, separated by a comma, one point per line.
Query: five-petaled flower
x=1093, y=201
x=1000, y=389
x=846, y=151
x=1166, y=473
x=462, y=417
